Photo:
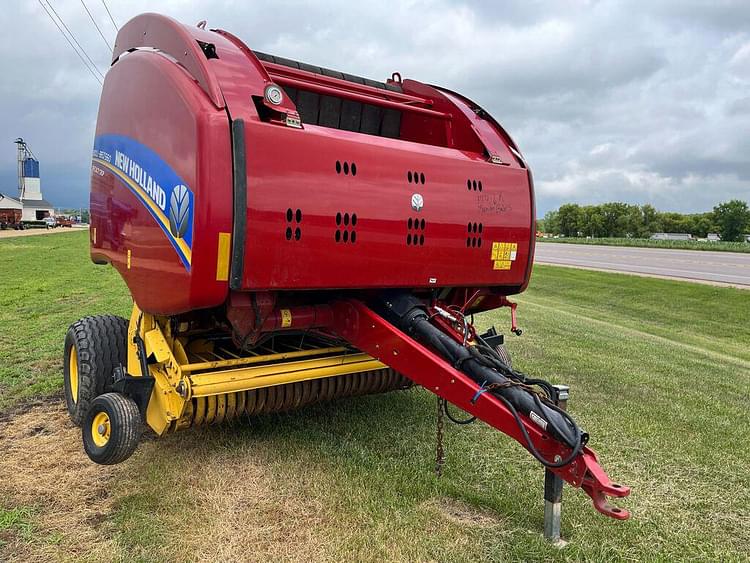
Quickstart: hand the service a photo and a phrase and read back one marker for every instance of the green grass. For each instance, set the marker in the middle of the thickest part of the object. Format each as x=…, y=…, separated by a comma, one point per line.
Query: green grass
x=718, y=246
x=659, y=374
x=46, y=283
x=18, y=521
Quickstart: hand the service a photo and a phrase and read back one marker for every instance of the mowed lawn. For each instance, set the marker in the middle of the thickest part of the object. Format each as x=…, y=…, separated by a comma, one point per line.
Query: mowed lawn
x=659, y=374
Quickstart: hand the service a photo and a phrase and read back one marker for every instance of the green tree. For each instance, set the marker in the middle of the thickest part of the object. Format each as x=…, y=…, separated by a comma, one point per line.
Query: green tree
x=550, y=223
x=569, y=219
x=592, y=221
x=701, y=224
x=651, y=221
x=615, y=216
x=675, y=222
x=733, y=219
x=634, y=223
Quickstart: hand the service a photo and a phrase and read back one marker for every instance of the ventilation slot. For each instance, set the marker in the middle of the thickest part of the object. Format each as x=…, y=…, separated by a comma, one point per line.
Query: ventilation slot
x=346, y=227
x=415, y=177
x=293, y=224
x=474, y=185
x=415, y=234
x=474, y=238
x=346, y=168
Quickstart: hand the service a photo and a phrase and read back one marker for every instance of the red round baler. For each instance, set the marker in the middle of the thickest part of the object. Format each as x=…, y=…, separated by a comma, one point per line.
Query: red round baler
x=293, y=234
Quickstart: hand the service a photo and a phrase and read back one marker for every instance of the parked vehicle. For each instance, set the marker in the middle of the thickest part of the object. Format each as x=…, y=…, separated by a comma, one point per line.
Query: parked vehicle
x=10, y=219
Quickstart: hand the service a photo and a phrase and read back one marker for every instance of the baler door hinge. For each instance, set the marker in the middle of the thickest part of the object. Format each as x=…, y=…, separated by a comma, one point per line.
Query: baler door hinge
x=497, y=159
x=293, y=120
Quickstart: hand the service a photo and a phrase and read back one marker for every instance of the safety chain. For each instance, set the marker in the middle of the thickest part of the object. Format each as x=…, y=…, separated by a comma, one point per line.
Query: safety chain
x=440, y=453
x=511, y=383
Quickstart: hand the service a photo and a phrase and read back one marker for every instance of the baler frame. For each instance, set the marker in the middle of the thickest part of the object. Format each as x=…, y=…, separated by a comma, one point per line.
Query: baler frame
x=218, y=385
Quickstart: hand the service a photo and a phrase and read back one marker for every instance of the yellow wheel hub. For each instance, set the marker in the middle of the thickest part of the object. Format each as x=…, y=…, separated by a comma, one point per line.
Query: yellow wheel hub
x=100, y=429
x=73, y=373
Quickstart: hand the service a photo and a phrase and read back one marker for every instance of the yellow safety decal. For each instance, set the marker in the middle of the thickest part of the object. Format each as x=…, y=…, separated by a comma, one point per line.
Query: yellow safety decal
x=222, y=257
x=93, y=235
x=286, y=318
x=503, y=255
x=128, y=258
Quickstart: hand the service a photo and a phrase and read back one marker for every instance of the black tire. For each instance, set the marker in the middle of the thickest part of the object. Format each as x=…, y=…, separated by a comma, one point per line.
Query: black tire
x=504, y=355
x=111, y=429
x=100, y=345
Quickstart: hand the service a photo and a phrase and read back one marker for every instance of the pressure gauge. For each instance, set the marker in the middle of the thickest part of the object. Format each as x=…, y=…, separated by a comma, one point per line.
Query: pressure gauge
x=273, y=94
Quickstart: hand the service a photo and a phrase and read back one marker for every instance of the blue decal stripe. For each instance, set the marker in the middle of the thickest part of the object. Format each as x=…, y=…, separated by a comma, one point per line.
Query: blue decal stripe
x=183, y=250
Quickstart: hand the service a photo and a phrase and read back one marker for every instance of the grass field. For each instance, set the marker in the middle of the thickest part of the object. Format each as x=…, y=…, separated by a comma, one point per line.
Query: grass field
x=648, y=243
x=660, y=377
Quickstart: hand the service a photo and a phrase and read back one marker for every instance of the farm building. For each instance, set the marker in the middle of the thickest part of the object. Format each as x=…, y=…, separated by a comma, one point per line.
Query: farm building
x=671, y=236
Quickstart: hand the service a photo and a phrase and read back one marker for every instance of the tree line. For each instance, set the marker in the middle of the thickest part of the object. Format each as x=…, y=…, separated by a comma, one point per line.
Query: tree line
x=731, y=220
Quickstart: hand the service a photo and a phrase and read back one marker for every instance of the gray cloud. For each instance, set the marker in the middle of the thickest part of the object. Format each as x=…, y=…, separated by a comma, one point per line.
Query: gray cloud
x=609, y=100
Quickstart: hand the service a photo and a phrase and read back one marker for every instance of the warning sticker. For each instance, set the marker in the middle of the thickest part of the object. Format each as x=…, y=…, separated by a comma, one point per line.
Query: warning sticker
x=503, y=255
x=538, y=420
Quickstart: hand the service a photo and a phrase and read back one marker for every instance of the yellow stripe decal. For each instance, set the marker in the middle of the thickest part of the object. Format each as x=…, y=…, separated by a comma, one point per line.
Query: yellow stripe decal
x=222, y=257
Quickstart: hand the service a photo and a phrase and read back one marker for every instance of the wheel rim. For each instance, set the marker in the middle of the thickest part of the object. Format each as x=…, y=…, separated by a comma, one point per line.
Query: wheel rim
x=100, y=429
x=73, y=374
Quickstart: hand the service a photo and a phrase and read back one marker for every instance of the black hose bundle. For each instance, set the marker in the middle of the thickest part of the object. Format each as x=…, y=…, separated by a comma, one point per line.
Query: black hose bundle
x=486, y=368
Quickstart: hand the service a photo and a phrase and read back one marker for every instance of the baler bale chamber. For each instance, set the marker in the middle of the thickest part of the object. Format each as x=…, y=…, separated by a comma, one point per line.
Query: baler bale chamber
x=292, y=234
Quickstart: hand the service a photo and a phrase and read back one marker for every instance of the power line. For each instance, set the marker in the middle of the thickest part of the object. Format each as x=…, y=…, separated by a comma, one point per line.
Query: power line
x=110, y=16
x=96, y=26
x=73, y=37
x=70, y=43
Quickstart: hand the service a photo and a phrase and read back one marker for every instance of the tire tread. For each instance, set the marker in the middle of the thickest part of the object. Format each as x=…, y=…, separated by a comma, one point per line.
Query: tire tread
x=101, y=342
x=125, y=428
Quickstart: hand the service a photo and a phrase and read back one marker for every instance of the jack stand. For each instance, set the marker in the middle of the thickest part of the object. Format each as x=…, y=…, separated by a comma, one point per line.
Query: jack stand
x=553, y=485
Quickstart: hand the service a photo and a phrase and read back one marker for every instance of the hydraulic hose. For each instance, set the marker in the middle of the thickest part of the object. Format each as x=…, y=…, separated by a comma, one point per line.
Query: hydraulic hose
x=409, y=315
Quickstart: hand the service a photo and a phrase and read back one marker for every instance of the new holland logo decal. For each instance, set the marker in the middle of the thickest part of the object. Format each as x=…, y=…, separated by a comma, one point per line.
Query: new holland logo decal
x=179, y=209
x=153, y=182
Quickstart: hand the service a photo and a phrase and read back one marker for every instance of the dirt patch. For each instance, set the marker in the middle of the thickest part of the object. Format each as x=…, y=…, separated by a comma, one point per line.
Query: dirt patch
x=462, y=514
x=43, y=467
x=206, y=502
x=229, y=505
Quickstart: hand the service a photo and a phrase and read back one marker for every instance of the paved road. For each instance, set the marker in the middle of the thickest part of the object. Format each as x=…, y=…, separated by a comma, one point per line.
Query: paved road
x=717, y=267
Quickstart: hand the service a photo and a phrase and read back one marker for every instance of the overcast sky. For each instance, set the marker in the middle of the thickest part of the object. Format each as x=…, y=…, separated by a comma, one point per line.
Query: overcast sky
x=644, y=102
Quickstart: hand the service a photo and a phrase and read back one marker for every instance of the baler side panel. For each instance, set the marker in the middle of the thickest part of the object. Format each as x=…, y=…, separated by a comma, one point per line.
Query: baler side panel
x=290, y=170
x=168, y=268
